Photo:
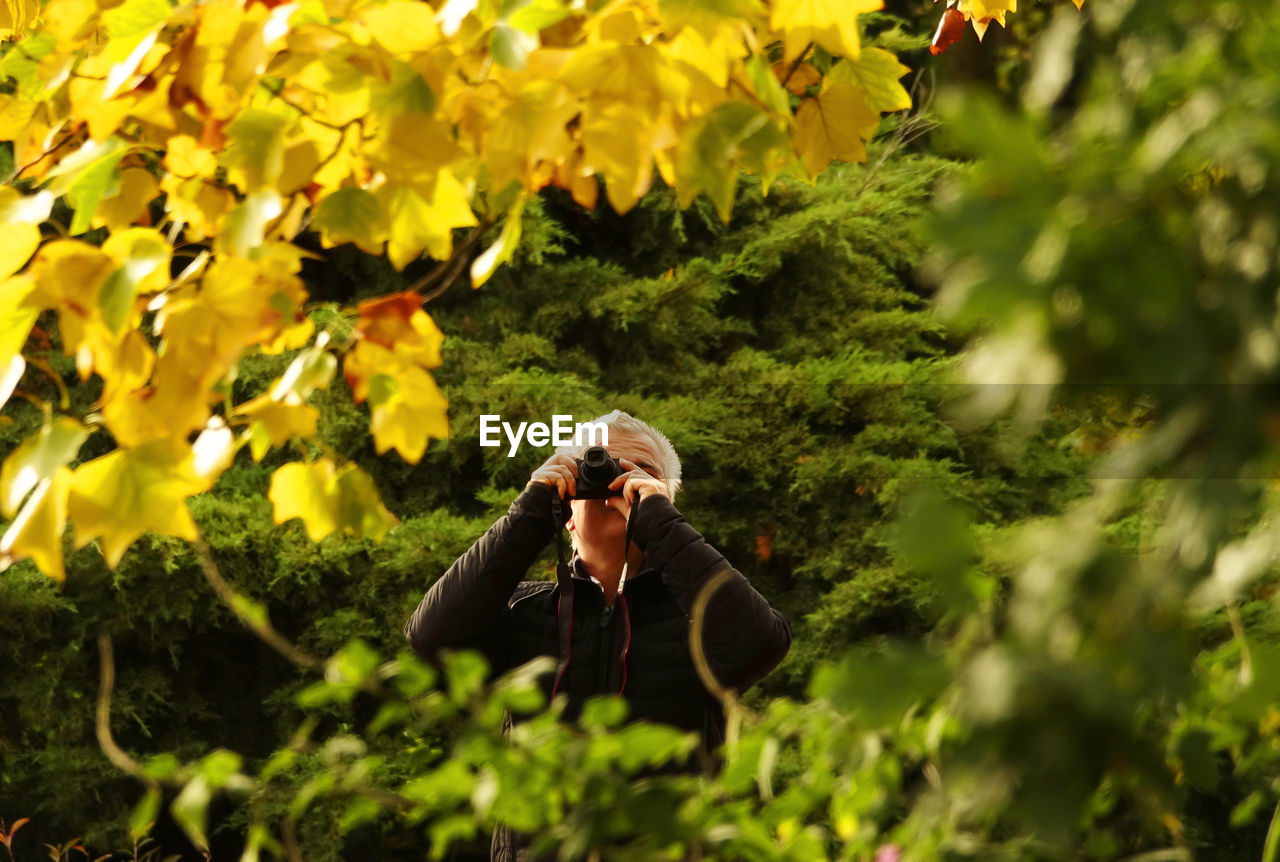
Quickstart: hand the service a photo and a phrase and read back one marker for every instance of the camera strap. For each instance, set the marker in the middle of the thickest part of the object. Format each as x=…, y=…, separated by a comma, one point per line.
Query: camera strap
x=564, y=580
x=564, y=606
x=626, y=547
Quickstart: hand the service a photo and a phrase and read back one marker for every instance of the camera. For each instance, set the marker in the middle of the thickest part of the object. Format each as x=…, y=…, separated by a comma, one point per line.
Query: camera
x=595, y=471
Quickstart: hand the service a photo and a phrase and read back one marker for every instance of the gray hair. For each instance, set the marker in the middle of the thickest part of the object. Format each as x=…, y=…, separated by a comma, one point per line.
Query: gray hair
x=668, y=462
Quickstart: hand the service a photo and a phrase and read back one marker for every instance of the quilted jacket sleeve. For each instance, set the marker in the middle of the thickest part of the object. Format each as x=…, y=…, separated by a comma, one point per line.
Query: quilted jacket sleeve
x=742, y=636
x=467, y=607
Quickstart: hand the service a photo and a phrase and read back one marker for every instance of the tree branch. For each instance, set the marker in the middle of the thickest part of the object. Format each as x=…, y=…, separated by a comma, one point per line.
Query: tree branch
x=257, y=623
x=444, y=273
x=102, y=725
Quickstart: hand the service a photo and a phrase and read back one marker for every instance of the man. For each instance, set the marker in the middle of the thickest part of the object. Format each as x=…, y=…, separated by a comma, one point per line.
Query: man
x=612, y=635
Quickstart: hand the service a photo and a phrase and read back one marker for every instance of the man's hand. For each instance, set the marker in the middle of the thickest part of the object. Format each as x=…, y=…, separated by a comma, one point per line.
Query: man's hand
x=636, y=484
x=560, y=471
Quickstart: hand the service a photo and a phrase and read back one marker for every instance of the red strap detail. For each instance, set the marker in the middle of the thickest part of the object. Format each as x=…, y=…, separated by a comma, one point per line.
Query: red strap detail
x=569, y=658
x=626, y=615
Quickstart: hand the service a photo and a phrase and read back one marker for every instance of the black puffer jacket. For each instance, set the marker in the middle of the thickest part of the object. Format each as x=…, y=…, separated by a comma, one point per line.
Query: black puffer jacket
x=638, y=647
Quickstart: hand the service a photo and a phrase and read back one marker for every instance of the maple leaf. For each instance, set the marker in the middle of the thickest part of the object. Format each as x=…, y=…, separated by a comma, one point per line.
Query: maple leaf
x=877, y=73
x=832, y=24
x=17, y=317
x=36, y=533
x=329, y=499
x=122, y=495
x=950, y=29
x=34, y=483
x=275, y=423
x=397, y=322
x=406, y=407
x=37, y=458
x=835, y=124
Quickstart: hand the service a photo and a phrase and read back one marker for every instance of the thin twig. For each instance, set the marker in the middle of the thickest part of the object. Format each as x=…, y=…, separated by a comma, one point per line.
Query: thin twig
x=796, y=64
x=64, y=397
x=1237, y=631
x=279, y=94
x=727, y=696
x=444, y=273
x=260, y=626
x=17, y=172
x=913, y=127
x=114, y=753
x=289, y=836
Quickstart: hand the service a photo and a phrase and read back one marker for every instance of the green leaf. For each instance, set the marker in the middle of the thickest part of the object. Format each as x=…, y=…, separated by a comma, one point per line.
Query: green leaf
x=353, y=664
x=406, y=91
x=878, y=686
x=879, y=74
x=511, y=46
x=351, y=215
x=602, y=713
x=534, y=16
x=191, y=808
x=413, y=675
x=147, y=252
x=359, y=811
x=1199, y=764
x=86, y=176
x=714, y=147
x=466, y=671
x=135, y=17
x=254, y=155
x=766, y=85
x=245, y=227
x=144, y=814
x=219, y=766
x=162, y=766
x=24, y=65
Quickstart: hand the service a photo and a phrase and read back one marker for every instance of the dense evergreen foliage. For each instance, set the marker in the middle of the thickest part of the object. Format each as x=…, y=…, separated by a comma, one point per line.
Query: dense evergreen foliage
x=789, y=355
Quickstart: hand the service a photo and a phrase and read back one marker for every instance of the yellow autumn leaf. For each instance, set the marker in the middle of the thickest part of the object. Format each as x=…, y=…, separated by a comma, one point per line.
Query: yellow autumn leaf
x=408, y=412
x=238, y=303
x=526, y=130
x=618, y=144
x=274, y=423
x=398, y=323
x=402, y=26
x=17, y=243
x=832, y=24
x=406, y=407
x=185, y=157
x=37, y=458
x=175, y=403
x=329, y=499
x=17, y=315
x=128, y=492
x=983, y=9
x=833, y=125
x=412, y=149
x=36, y=533
x=16, y=16
x=138, y=187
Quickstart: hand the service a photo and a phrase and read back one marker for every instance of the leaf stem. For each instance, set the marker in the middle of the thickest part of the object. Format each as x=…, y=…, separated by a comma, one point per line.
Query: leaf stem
x=795, y=64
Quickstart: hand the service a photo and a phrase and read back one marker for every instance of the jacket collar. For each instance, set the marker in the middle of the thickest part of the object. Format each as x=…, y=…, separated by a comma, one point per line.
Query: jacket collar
x=579, y=571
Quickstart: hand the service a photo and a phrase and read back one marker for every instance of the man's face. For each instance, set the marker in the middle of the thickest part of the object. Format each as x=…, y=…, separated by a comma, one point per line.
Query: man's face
x=592, y=521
